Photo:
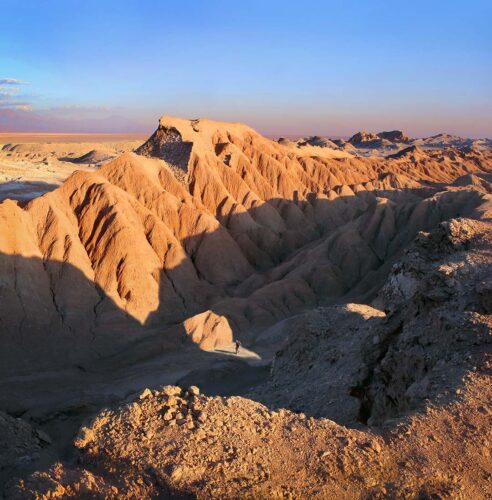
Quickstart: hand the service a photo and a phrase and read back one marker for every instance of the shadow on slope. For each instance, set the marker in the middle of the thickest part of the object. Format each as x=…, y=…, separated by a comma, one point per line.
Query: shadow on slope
x=68, y=349
x=55, y=318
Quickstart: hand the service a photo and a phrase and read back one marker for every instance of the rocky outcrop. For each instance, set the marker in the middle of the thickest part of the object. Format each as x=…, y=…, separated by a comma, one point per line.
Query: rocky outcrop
x=374, y=366
x=167, y=144
x=209, y=330
x=20, y=443
x=413, y=153
x=363, y=137
x=394, y=136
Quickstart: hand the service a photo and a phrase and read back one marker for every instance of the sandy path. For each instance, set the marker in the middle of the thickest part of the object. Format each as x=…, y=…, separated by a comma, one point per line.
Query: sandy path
x=251, y=357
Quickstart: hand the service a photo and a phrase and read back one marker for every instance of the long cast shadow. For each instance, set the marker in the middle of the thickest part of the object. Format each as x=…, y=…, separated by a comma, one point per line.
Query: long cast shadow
x=52, y=315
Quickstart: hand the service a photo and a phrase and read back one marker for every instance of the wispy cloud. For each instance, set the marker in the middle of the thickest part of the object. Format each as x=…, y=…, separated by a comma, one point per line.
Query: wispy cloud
x=7, y=91
x=21, y=110
x=9, y=95
x=17, y=105
x=13, y=98
x=22, y=107
x=11, y=81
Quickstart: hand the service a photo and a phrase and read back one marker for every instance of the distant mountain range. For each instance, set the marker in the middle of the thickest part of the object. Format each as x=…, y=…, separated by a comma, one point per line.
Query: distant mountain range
x=387, y=142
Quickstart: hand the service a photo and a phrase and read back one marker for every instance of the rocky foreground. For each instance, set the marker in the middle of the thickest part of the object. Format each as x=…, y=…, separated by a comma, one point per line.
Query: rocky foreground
x=409, y=378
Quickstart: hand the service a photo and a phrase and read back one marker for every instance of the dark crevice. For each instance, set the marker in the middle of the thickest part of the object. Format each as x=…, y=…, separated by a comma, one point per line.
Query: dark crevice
x=24, y=314
x=363, y=391
x=101, y=294
x=58, y=309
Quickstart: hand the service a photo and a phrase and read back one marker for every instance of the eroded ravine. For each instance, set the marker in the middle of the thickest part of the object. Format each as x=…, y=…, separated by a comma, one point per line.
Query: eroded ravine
x=143, y=273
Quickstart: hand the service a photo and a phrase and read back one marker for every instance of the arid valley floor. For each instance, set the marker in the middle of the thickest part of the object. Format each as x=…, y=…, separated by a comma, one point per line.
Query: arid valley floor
x=357, y=275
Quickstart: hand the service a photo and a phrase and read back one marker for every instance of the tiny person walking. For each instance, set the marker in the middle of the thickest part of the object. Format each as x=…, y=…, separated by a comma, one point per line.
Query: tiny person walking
x=238, y=346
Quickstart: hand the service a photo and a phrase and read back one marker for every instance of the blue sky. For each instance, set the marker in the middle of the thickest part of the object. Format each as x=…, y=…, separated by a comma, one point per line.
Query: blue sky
x=312, y=67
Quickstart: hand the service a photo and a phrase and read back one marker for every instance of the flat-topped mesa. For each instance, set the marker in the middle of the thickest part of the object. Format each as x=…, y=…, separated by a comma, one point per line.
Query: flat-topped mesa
x=176, y=139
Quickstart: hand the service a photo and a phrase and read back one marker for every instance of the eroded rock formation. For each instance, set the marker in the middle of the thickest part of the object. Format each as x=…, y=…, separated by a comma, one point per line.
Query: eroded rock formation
x=213, y=217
